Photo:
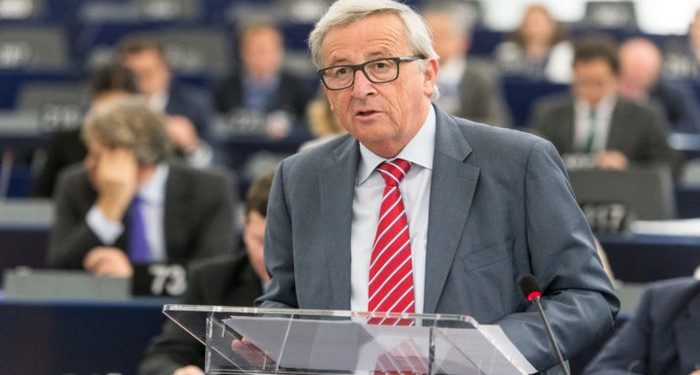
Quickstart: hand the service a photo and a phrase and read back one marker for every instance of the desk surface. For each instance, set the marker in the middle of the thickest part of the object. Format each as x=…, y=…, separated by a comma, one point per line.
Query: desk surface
x=642, y=258
x=77, y=337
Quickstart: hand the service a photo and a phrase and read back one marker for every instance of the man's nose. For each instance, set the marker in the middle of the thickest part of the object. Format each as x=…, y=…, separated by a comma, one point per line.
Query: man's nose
x=362, y=86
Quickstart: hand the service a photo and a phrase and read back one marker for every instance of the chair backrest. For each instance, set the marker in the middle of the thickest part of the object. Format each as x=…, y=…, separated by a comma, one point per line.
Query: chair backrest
x=21, y=9
x=611, y=14
x=197, y=50
x=647, y=192
x=58, y=105
x=140, y=10
x=169, y=10
x=33, y=47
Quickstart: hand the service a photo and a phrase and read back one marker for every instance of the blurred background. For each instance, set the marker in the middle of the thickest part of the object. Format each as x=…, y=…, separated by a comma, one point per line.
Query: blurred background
x=220, y=55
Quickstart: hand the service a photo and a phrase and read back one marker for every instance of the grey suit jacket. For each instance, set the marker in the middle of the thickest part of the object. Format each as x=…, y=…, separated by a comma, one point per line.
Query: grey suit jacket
x=481, y=98
x=662, y=338
x=500, y=207
x=198, y=217
x=636, y=130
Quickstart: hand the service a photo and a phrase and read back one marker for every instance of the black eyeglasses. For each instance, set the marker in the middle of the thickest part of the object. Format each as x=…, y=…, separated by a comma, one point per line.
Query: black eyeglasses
x=377, y=71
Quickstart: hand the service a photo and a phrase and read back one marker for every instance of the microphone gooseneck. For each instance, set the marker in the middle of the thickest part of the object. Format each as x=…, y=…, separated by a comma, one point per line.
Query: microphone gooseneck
x=532, y=291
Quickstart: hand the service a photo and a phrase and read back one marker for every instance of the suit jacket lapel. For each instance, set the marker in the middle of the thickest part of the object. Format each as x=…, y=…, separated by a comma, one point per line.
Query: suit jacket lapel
x=568, y=128
x=619, y=132
x=337, y=182
x=175, y=209
x=687, y=338
x=451, y=192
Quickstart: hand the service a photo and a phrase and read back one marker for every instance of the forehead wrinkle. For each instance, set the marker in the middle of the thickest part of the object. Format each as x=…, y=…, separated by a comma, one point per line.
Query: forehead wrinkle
x=387, y=40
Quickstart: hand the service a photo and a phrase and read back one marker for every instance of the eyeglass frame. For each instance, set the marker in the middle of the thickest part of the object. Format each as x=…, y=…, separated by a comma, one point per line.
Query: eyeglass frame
x=361, y=67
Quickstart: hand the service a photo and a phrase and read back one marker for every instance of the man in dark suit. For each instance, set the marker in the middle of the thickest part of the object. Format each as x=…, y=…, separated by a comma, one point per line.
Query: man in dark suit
x=128, y=205
x=416, y=211
x=468, y=88
x=597, y=125
x=663, y=336
x=65, y=146
x=261, y=85
x=227, y=281
x=640, y=79
x=189, y=110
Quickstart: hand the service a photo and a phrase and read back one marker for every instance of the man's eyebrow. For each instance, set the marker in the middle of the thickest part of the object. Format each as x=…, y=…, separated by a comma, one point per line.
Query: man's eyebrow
x=371, y=56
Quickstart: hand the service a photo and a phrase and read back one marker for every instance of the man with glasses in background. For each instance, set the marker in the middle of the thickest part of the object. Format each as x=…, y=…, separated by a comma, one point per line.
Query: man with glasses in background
x=416, y=211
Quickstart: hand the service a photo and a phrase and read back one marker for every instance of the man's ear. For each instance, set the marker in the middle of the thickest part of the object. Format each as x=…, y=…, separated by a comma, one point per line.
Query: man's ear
x=430, y=74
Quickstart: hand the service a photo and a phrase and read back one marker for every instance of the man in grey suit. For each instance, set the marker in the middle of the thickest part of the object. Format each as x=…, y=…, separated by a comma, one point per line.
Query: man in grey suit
x=468, y=87
x=465, y=208
x=596, y=127
x=127, y=205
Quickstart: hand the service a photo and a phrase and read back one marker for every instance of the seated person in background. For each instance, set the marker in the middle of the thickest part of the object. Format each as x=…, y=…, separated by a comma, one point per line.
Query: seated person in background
x=640, y=69
x=322, y=122
x=235, y=281
x=468, y=88
x=595, y=125
x=189, y=110
x=260, y=85
x=663, y=336
x=537, y=49
x=127, y=204
x=65, y=146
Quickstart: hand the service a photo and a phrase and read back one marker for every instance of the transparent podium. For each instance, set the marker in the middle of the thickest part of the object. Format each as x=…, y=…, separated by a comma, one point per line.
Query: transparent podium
x=241, y=340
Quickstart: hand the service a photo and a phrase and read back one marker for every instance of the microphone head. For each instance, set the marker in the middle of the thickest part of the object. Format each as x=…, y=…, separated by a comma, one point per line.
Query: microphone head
x=530, y=287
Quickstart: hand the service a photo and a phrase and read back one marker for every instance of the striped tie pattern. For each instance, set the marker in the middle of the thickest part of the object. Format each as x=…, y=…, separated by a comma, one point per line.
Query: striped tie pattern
x=391, y=270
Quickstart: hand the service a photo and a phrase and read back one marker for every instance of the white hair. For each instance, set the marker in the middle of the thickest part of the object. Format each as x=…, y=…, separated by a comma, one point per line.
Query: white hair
x=344, y=12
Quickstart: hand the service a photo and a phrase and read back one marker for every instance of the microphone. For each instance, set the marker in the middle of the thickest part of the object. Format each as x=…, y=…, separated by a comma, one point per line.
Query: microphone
x=532, y=291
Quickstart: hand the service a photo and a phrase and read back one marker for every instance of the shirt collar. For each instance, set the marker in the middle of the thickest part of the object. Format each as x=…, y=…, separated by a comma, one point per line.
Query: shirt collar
x=418, y=151
x=153, y=190
x=606, y=105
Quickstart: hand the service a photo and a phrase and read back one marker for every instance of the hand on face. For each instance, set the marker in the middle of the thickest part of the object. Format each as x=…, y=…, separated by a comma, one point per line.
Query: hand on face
x=189, y=370
x=115, y=177
x=613, y=160
x=182, y=133
x=108, y=261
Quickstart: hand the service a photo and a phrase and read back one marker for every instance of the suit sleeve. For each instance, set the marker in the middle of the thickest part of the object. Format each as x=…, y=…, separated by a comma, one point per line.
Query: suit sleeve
x=481, y=98
x=539, y=121
x=216, y=232
x=659, y=151
x=175, y=348
x=279, y=261
x=71, y=238
x=626, y=352
x=577, y=295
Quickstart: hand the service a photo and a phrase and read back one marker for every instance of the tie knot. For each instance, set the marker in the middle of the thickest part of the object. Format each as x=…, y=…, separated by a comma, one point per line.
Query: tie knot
x=136, y=201
x=394, y=171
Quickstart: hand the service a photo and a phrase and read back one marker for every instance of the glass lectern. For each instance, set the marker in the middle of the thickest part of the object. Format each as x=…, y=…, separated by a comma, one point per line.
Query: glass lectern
x=242, y=340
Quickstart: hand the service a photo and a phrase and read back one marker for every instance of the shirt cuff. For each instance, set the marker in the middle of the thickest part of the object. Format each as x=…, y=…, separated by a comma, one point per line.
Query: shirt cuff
x=107, y=230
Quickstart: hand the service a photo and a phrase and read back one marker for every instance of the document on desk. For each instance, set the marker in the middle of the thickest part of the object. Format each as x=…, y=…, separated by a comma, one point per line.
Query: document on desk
x=354, y=346
x=683, y=227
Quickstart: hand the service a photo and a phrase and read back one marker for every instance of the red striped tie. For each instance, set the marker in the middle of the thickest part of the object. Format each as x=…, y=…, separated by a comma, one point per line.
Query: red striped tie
x=391, y=270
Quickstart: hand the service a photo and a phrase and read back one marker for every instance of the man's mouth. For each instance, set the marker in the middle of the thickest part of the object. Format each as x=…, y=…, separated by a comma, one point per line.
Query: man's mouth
x=364, y=114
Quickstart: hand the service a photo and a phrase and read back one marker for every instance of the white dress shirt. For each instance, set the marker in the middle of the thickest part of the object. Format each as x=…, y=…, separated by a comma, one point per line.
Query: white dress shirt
x=603, y=118
x=153, y=194
x=415, y=192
